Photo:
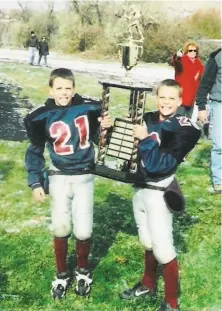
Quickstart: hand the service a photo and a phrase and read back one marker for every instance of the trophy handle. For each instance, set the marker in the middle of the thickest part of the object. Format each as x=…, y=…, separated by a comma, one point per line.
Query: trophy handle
x=120, y=52
x=140, y=51
x=121, y=57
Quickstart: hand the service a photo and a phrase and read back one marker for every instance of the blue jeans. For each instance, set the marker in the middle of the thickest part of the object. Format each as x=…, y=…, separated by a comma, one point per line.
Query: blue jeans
x=45, y=59
x=216, y=111
x=32, y=51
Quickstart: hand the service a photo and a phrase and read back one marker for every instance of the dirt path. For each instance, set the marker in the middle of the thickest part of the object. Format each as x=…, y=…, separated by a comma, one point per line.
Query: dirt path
x=143, y=72
x=11, y=120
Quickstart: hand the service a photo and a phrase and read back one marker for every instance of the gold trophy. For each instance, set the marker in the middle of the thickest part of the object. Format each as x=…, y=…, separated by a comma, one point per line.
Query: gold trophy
x=117, y=152
x=130, y=52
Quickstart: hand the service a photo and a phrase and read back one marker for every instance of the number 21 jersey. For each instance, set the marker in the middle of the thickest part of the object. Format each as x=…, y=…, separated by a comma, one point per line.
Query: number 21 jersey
x=68, y=132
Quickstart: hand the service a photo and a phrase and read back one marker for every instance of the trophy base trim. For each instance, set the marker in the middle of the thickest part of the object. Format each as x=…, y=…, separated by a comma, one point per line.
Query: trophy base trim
x=126, y=177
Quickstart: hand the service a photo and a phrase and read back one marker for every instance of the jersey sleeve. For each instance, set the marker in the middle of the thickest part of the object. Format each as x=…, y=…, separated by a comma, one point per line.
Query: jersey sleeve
x=34, y=163
x=34, y=158
x=185, y=136
x=35, y=127
x=153, y=159
x=161, y=152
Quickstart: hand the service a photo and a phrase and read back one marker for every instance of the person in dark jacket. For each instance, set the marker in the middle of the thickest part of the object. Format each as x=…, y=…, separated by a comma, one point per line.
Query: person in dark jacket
x=210, y=85
x=43, y=50
x=32, y=44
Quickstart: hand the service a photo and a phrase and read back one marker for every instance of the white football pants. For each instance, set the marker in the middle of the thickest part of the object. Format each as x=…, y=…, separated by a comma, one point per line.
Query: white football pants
x=72, y=205
x=154, y=221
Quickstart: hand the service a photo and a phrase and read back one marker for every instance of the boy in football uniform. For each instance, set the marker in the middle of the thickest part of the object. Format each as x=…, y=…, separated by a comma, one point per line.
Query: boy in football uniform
x=67, y=125
x=164, y=141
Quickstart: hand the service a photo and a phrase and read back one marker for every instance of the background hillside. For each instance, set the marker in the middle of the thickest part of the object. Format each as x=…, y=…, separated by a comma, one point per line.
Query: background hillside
x=95, y=28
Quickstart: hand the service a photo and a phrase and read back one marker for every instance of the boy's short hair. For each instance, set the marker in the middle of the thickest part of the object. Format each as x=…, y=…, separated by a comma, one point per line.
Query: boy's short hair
x=63, y=73
x=170, y=83
x=32, y=32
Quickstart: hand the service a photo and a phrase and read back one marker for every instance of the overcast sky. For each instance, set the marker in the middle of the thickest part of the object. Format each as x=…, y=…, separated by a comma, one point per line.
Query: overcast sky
x=8, y=4
x=176, y=4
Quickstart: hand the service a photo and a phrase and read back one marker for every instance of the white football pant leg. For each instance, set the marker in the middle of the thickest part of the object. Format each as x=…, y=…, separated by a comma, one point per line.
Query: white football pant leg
x=141, y=218
x=82, y=205
x=61, y=194
x=159, y=223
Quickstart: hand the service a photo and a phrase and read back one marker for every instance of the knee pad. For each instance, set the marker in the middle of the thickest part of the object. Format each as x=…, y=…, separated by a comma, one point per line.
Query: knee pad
x=146, y=243
x=164, y=254
x=82, y=235
x=62, y=230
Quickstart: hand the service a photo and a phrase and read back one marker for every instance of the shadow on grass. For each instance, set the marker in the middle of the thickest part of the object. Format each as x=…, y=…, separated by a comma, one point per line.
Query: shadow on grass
x=3, y=282
x=181, y=224
x=12, y=127
x=116, y=215
x=110, y=216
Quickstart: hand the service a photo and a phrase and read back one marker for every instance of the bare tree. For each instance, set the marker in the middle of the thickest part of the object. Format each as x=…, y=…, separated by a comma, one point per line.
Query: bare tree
x=89, y=12
x=50, y=18
x=98, y=12
x=51, y=6
x=24, y=11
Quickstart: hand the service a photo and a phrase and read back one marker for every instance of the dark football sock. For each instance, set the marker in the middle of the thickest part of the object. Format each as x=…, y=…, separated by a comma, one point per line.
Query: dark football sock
x=82, y=253
x=60, y=250
x=150, y=269
x=171, y=279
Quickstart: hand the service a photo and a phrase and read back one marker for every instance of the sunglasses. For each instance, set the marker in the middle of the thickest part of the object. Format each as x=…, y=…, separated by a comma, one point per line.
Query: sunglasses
x=192, y=50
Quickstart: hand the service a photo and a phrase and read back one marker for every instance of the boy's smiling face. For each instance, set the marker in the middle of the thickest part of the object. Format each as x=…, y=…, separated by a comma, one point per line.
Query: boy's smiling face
x=62, y=91
x=168, y=100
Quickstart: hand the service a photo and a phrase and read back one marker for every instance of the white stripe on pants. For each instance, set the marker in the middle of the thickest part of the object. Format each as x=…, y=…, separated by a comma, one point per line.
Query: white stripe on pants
x=72, y=205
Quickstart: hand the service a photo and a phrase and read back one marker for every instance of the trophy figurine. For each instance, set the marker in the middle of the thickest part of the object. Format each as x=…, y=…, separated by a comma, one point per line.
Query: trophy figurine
x=131, y=50
x=130, y=53
x=117, y=151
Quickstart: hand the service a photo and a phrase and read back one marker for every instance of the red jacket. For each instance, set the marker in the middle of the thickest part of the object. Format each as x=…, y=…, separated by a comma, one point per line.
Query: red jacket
x=189, y=78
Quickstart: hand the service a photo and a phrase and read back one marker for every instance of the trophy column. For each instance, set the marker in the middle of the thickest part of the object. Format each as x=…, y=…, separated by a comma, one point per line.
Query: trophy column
x=136, y=111
x=103, y=131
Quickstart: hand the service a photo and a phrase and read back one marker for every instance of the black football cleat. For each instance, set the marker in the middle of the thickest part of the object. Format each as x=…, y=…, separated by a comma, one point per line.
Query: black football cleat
x=59, y=287
x=139, y=290
x=83, y=282
x=167, y=307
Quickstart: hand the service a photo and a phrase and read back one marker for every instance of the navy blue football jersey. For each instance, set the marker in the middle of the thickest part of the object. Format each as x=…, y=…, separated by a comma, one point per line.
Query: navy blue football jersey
x=167, y=145
x=68, y=132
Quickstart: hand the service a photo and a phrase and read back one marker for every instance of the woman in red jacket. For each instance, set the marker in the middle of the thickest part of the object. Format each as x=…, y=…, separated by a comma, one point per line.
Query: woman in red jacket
x=188, y=71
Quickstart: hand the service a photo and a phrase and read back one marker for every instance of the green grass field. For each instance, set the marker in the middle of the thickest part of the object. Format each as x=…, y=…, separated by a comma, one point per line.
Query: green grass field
x=27, y=261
